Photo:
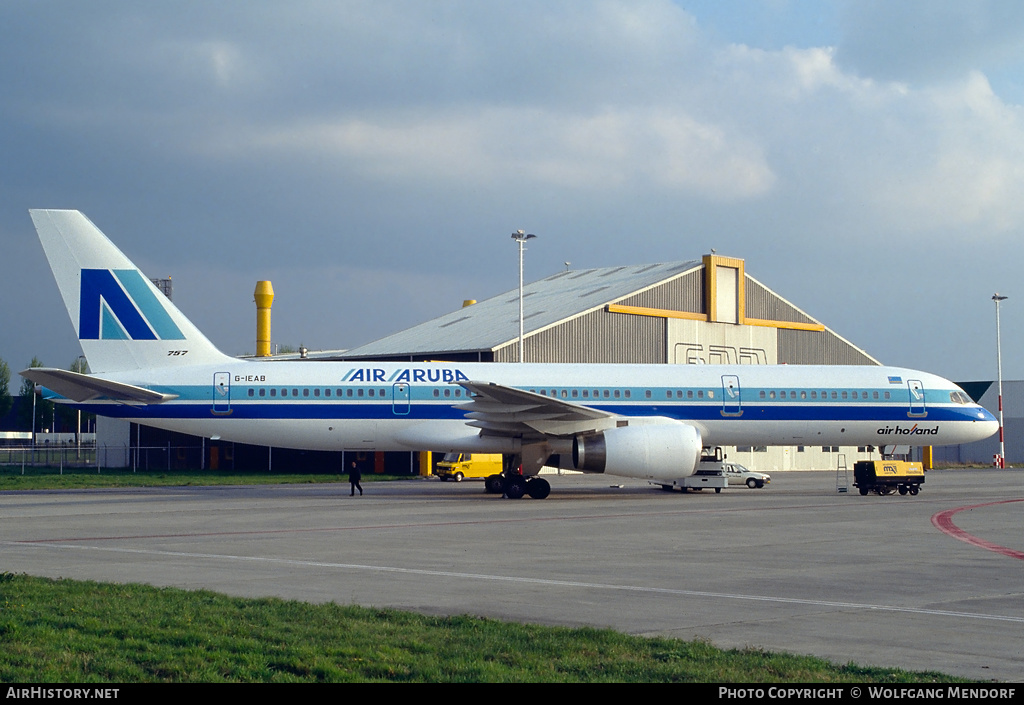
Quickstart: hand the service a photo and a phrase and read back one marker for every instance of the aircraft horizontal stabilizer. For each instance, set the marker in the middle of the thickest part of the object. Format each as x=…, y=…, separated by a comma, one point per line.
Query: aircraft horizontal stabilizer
x=82, y=388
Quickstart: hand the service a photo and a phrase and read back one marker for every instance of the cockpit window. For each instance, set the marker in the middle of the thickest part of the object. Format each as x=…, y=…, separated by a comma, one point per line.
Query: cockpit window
x=958, y=397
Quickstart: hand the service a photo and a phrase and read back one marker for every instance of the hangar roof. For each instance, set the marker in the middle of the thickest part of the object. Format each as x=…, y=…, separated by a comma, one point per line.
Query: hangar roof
x=490, y=324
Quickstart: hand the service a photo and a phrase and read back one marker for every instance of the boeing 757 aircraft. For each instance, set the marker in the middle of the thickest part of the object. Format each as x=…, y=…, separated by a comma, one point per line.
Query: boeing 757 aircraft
x=149, y=364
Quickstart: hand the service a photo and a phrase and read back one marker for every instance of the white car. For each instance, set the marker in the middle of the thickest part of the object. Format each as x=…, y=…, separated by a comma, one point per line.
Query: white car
x=739, y=475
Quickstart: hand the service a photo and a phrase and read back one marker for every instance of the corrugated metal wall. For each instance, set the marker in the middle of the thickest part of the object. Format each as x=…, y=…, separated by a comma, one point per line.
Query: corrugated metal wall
x=802, y=347
x=685, y=293
x=598, y=336
x=763, y=303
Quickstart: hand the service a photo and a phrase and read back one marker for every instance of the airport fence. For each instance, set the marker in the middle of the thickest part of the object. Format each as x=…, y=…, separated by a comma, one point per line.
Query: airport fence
x=71, y=455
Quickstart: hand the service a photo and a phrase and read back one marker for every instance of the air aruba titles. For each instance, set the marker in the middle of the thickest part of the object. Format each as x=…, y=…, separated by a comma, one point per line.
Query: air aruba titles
x=374, y=374
x=405, y=374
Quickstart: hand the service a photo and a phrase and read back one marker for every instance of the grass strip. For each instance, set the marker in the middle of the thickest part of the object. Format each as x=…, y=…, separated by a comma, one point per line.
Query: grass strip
x=64, y=631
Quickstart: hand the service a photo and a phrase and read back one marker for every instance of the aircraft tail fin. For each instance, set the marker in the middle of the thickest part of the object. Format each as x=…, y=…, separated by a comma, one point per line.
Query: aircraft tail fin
x=122, y=320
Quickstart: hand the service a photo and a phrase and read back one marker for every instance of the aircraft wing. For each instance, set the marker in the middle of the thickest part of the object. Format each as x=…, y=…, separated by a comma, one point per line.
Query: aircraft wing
x=504, y=411
x=81, y=388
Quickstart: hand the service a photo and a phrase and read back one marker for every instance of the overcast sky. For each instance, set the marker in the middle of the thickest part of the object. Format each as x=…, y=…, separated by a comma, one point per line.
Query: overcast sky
x=865, y=158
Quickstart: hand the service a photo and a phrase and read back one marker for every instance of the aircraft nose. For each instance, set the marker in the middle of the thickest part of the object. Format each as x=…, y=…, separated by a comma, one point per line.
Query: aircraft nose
x=986, y=423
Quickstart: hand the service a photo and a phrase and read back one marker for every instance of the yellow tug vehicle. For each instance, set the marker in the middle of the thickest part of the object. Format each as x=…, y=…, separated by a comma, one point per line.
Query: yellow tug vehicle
x=888, y=476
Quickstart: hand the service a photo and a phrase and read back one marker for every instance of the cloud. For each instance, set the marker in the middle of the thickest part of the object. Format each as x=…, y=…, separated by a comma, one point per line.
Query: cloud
x=960, y=164
x=401, y=135
x=615, y=148
x=928, y=40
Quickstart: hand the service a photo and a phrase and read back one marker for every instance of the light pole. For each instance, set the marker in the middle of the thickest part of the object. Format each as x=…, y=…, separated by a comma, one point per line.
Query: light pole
x=999, y=371
x=81, y=366
x=521, y=237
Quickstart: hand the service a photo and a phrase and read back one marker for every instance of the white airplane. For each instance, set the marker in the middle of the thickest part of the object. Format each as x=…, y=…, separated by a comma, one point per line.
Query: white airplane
x=149, y=364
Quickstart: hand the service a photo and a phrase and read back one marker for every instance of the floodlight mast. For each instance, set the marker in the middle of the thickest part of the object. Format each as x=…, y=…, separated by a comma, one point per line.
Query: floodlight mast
x=521, y=237
x=999, y=372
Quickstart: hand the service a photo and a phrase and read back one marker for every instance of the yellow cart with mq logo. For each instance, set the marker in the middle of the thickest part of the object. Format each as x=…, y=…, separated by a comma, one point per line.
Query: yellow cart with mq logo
x=888, y=476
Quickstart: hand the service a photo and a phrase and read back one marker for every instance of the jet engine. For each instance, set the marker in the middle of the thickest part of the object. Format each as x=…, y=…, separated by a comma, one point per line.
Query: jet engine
x=664, y=451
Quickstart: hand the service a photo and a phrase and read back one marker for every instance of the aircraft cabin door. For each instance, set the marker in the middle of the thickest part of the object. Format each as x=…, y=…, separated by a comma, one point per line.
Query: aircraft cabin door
x=400, y=399
x=731, y=395
x=917, y=406
x=221, y=393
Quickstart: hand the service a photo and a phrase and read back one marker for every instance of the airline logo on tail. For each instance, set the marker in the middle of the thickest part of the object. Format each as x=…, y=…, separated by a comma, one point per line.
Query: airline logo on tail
x=119, y=304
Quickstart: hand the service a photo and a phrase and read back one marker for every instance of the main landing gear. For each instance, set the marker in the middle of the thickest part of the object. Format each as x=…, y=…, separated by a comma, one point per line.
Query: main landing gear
x=516, y=486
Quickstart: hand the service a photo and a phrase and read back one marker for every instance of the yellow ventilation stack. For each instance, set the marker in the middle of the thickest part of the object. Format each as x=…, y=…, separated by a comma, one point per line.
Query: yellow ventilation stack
x=264, y=300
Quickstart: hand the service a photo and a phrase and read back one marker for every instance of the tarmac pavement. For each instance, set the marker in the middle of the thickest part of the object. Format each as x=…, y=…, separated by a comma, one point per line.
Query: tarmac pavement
x=891, y=581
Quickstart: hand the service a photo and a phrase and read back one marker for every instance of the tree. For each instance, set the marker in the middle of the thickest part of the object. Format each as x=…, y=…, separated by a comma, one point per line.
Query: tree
x=6, y=400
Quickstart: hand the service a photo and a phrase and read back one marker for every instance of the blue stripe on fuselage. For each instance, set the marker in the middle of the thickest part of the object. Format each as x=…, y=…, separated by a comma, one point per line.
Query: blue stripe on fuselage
x=324, y=409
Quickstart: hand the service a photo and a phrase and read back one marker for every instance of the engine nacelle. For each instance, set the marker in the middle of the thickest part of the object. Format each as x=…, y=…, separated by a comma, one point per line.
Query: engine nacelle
x=665, y=451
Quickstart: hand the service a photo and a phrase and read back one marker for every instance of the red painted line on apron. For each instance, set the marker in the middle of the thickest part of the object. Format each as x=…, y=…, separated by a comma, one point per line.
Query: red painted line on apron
x=943, y=521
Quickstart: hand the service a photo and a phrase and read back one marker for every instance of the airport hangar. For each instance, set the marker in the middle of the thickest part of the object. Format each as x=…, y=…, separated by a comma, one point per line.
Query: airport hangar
x=707, y=311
